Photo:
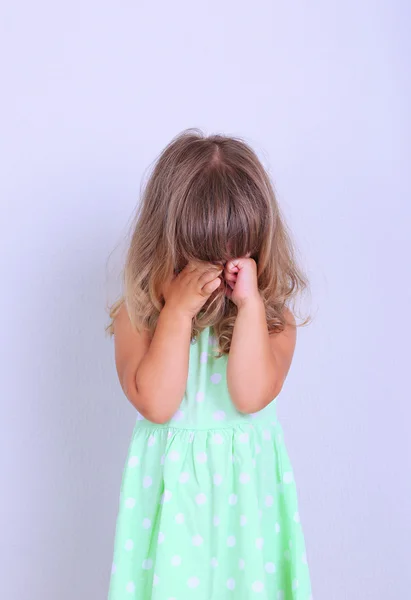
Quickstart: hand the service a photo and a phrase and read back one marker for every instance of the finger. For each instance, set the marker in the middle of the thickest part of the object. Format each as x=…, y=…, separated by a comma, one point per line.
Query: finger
x=209, y=275
x=232, y=265
x=209, y=287
x=228, y=291
x=230, y=276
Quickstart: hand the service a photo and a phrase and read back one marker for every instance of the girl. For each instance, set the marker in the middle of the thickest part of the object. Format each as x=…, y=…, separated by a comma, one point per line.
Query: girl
x=203, y=343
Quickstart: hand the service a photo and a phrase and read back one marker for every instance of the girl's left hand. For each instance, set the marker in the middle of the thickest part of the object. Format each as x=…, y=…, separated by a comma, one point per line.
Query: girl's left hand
x=241, y=277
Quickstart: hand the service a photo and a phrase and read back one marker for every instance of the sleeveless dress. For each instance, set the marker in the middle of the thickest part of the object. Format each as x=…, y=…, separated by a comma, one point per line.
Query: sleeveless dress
x=208, y=504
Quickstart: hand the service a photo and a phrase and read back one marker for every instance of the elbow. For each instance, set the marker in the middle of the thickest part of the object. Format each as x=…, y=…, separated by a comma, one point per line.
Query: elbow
x=152, y=410
x=159, y=417
x=254, y=403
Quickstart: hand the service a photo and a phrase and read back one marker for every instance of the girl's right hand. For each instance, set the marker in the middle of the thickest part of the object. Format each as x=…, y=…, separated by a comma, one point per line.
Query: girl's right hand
x=188, y=291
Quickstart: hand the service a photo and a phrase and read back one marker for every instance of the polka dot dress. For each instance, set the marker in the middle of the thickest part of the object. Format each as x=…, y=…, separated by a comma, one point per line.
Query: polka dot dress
x=208, y=505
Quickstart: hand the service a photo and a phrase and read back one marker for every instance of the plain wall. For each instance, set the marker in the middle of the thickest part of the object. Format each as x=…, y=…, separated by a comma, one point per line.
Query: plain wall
x=91, y=93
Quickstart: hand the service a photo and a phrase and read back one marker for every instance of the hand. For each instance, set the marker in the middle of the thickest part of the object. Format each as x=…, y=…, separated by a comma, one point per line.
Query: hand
x=188, y=291
x=241, y=277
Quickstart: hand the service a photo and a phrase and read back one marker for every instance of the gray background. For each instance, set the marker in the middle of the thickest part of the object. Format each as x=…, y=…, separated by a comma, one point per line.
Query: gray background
x=91, y=92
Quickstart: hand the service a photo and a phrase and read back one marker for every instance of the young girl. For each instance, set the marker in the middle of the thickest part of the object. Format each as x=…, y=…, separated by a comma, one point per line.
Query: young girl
x=203, y=343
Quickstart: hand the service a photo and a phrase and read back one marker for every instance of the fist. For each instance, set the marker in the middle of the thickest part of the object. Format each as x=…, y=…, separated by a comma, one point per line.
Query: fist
x=241, y=277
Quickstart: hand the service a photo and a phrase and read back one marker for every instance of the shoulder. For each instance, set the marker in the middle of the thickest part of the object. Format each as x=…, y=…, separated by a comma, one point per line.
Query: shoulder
x=126, y=333
x=290, y=325
x=282, y=345
x=131, y=345
x=284, y=341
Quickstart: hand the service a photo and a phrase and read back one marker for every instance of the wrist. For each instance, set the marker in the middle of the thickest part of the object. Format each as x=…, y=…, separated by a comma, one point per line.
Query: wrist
x=251, y=304
x=177, y=314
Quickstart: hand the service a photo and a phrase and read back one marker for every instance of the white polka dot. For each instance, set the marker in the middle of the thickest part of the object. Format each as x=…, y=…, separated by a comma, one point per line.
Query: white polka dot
x=212, y=340
x=191, y=436
x=243, y=520
x=146, y=523
x=130, y=587
x=296, y=517
x=202, y=457
x=266, y=434
x=269, y=500
x=287, y=555
x=147, y=481
x=217, y=479
x=219, y=415
x=277, y=528
x=304, y=558
x=215, y=378
x=166, y=497
x=288, y=477
x=216, y=521
x=230, y=584
x=201, y=499
x=151, y=440
x=214, y=562
x=257, y=449
x=241, y=564
x=147, y=564
x=130, y=503
x=244, y=478
x=280, y=595
x=178, y=416
x=218, y=438
x=258, y=586
x=270, y=567
x=156, y=579
x=232, y=500
x=203, y=357
x=231, y=541
x=133, y=461
x=259, y=543
x=176, y=560
x=169, y=435
x=184, y=477
x=180, y=518
x=200, y=396
x=161, y=537
x=295, y=584
x=174, y=455
x=162, y=459
x=193, y=582
x=129, y=545
x=197, y=540
x=243, y=437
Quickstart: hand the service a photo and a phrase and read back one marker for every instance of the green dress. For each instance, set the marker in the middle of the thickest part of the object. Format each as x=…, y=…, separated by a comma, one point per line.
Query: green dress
x=208, y=504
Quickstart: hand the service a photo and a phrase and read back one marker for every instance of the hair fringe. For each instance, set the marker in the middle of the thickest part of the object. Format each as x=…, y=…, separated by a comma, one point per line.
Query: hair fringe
x=203, y=192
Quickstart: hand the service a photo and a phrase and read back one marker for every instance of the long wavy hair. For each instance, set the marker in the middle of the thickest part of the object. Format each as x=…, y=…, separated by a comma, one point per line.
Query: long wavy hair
x=205, y=194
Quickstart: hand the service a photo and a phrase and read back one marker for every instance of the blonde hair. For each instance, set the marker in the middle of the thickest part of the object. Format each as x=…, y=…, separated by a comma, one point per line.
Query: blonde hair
x=204, y=192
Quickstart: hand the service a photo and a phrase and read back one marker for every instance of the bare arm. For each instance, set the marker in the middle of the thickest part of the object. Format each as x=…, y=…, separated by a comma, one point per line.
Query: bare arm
x=258, y=362
x=153, y=375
